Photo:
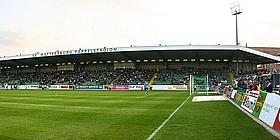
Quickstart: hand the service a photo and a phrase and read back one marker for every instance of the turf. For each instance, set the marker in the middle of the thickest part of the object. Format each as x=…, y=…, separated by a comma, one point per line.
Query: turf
x=115, y=115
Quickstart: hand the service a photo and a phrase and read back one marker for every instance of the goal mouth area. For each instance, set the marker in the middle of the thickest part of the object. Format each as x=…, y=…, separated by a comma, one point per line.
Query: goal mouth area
x=211, y=92
x=208, y=98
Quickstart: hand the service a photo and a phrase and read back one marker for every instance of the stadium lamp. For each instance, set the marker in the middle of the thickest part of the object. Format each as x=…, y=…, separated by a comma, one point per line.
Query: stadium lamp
x=236, y=10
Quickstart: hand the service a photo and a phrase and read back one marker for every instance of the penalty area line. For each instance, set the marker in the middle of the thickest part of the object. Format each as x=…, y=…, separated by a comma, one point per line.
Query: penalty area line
x=170, y=116
x=148, y=95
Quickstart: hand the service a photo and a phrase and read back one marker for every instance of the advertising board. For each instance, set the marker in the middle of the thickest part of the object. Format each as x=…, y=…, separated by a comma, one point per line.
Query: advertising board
x=270, y=109
x=259, y=104
x=29, y=87
x=170, y=87
x=91, y=87
x=120, y=87
x=136, y=87
x=249, y=100
x=276, y=125
x=238, y=98
x=233, y=93
x=61, y=87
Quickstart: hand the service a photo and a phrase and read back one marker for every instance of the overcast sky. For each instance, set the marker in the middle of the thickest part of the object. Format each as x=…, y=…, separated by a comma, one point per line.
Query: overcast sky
x=29, y=26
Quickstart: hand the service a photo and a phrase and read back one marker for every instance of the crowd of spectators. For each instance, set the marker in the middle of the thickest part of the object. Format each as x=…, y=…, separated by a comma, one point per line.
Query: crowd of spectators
x=256, y=80
x=97, y=77
x=128, y=77
x=133, y=76
x=103, y=77
x=172, y=77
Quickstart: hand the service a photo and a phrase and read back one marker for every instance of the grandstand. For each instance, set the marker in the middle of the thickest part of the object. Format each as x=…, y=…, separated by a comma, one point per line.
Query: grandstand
x=158, y=65
x=165, y=112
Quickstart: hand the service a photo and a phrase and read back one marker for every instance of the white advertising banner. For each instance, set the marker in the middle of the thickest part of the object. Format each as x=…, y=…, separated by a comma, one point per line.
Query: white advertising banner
x=233, y=94
x=135, y=87
x=28, y=87
x=250, y=100
x=169, y=87
x=270, y=109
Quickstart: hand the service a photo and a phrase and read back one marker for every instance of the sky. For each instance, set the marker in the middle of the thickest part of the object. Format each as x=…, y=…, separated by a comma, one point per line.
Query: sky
x=30, y=26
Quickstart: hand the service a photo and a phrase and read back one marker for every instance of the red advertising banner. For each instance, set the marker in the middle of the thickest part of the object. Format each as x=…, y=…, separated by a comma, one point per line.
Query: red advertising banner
x=276, y=125
x=64, y=86
x=61, y=87
x=120, y=87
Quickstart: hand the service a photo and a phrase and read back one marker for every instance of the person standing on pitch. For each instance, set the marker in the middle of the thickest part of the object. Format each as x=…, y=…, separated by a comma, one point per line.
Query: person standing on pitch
x=146, y=88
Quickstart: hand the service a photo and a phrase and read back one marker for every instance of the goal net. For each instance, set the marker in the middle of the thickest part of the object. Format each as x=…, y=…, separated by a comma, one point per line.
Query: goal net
x=199, y=84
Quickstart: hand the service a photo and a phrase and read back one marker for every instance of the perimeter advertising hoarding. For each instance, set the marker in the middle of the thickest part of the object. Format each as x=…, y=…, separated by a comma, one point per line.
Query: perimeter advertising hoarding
x=136, y=87
x=276, y=125
x=92, y=87
x=249, y=100
x=233, y=94
x=120, y=87
x=259, y=104
x=238, y=98
x=28, y=87
x=270, y=109
x=226, y=90
x=170, y=87
x=61, y=87
x=127, y=87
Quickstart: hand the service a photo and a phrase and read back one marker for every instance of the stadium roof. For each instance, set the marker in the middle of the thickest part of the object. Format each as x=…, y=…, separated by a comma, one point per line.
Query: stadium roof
x=271, y=50
x=133, y=53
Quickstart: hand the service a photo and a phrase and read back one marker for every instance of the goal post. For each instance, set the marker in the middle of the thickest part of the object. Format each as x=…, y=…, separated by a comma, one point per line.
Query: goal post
x=198, y=84
x=191, y=84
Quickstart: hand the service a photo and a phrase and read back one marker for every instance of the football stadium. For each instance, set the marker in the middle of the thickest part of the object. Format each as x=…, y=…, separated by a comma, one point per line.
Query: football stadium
x=141, y=92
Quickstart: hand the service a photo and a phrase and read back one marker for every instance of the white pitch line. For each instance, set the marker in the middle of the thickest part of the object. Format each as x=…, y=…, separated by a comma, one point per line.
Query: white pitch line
x=148, y=95
x=141, y=96
x=155, y=132
x=71, y=107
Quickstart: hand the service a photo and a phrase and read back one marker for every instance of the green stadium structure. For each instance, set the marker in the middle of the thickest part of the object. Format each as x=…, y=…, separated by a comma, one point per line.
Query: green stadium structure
x=163, y=67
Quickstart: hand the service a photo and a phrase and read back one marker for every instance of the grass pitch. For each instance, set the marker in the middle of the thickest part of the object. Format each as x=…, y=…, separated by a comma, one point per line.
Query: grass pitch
x=116, y=115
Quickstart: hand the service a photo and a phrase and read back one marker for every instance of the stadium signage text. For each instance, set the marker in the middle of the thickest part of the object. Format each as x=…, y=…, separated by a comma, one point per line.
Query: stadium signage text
x=89, y=87
x=79, y=51
x=120, y=87
x=169, y=87
x=61, y=87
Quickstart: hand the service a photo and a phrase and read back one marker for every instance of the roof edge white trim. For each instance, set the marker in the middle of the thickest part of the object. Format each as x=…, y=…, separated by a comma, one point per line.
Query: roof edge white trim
x=270, y=56
x=141, y=48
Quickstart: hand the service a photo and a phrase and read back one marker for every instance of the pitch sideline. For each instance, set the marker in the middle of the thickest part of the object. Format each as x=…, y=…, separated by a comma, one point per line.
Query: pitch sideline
x=170, y=116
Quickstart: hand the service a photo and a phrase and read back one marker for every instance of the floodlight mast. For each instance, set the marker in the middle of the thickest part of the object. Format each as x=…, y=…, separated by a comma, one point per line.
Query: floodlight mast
x=236, y=10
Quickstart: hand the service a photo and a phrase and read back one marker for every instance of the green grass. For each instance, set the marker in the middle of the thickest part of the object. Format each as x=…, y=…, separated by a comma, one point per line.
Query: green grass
x=115, y=115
